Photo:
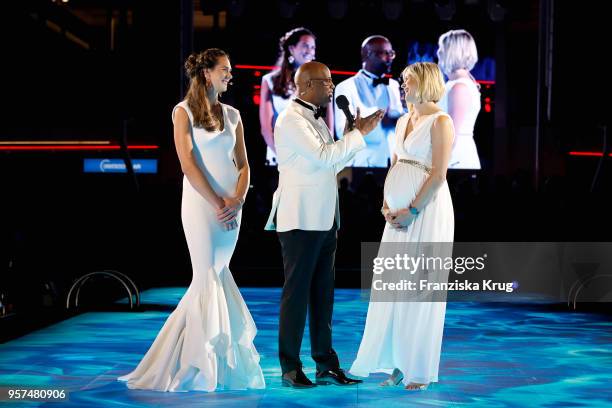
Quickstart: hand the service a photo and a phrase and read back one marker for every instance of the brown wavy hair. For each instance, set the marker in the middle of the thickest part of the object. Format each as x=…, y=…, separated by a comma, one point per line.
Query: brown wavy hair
x=197, y=97
x=282, y=80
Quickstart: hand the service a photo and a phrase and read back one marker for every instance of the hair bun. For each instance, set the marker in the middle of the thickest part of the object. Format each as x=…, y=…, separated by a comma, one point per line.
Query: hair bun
x=191, y=65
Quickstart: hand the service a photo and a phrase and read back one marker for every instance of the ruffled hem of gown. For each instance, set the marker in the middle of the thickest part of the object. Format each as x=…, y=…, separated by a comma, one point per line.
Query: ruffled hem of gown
x=205, y=344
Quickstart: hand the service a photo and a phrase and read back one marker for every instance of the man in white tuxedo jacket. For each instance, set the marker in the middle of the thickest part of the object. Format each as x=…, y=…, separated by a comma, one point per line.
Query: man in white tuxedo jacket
x=305, y=214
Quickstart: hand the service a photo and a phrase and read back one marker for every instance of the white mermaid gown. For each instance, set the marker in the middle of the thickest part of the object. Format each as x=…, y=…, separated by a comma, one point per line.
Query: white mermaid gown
x=408, y=335
x=207, y=341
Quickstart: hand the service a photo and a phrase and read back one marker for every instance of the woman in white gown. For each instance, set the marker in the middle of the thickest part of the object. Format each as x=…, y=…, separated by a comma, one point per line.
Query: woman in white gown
x=457, y=55
x=404, y=338
x=207, y=342
x=297, y=46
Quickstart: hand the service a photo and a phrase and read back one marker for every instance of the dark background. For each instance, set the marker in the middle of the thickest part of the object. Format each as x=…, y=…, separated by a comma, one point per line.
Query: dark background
x=57, y=223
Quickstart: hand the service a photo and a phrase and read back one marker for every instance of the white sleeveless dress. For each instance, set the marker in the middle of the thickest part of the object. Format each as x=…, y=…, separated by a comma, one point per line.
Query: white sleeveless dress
x=207, y=341
x=408, y=335
x=465, y=153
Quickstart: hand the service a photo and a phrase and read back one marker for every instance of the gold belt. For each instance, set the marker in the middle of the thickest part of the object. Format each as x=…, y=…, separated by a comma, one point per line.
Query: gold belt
x=416, y=164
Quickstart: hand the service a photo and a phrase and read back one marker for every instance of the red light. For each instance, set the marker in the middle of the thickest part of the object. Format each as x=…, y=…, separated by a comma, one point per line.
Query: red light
x=256, y=99
x=333, y=71
x=593, y=154
x=488, y=108
x=262, y=67
x=336, y=72
x=488, y=100
x=257, y=73
x=79, y=147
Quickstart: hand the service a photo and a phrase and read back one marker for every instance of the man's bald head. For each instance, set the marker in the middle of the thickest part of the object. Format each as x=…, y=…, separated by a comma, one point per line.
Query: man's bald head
x=372, y=44
x=314, y=85
x=377, y=54
x=310, y=70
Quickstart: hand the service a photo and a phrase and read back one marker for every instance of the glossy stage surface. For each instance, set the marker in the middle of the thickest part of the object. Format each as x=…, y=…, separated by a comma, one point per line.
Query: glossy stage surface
x=493, y=355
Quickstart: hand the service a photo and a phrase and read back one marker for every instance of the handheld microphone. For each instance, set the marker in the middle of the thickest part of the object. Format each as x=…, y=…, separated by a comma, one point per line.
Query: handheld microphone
x=343, y=104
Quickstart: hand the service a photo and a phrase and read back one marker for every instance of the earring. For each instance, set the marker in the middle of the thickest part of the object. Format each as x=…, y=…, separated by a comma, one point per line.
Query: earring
x=291, y=59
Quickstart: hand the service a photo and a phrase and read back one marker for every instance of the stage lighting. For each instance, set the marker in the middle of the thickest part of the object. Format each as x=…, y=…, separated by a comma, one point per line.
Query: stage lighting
x=392, y=9
x=212, y=6
x=287, y=8
x=496, y=10
x=445, y=9
x=235, y=8
x=337, y=8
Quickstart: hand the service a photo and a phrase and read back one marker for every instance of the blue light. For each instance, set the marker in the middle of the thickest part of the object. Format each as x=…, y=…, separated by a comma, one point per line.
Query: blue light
x=493, y=355
x=118, y=166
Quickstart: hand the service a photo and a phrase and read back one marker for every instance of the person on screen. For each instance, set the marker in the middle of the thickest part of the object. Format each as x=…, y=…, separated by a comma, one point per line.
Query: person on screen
x=278, y=87
x=370, y=89
x=457, y=55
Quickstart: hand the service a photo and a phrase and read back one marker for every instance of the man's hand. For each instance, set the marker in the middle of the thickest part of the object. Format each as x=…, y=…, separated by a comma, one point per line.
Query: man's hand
x=367, y=124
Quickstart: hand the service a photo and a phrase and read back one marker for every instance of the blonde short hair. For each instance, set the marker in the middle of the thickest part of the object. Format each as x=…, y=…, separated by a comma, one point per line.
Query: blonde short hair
x=457, y=50
x=429, y=79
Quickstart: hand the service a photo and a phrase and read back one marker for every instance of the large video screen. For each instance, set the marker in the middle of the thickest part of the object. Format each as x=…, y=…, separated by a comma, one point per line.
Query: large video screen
x=362, y=91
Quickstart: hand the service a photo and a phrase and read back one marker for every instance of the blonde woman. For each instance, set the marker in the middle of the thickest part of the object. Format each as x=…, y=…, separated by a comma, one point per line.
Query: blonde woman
x=457, y=55
x=404, y=338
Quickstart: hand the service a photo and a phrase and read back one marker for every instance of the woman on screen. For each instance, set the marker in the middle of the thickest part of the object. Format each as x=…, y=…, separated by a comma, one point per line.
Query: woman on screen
x=457, y=55
x=278, y=88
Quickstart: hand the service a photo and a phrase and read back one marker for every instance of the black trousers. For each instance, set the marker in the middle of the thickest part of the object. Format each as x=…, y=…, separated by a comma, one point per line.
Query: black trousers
x=308, y=258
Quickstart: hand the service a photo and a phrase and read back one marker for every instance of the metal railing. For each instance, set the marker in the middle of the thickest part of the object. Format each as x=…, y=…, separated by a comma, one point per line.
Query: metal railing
x=126, y=282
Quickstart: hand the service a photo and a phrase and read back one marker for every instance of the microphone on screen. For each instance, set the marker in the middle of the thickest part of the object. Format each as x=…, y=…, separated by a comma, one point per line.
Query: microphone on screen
x=343, y=103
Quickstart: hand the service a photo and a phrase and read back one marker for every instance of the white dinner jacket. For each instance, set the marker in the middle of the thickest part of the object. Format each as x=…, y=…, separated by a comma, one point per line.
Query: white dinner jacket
x=308, y=162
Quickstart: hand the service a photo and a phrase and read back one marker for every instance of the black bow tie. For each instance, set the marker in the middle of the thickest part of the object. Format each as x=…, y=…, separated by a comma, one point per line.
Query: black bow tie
x=377, y=81
x=319, y=111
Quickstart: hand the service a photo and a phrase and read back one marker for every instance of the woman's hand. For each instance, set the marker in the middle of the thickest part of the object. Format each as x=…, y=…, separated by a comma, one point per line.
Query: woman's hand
x=400, y=219
x=387, y=214
x=228, y=213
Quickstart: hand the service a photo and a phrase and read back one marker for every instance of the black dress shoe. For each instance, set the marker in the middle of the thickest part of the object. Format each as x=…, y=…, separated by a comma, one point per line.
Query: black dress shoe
x=335, y=376
x=297, y=379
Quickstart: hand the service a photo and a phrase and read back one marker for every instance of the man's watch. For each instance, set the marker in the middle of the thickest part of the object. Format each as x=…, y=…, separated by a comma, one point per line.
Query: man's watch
x=414, y=210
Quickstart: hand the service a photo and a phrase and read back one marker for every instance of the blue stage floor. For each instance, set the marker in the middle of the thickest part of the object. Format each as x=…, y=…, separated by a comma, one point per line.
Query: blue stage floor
x=493, y=355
